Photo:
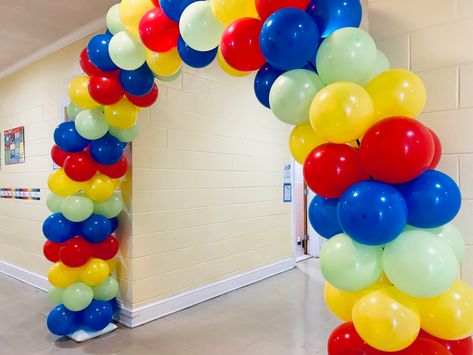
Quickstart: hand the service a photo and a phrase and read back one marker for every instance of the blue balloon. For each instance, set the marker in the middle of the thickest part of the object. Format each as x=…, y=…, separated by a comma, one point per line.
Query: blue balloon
x=193, y=58
x=331, y=15
x=68, y=139
x=137, y=82
x=174, y=8
x=106, y=150
x=97, y=49
x=96, y=228
x=114, y=304
x=113, y=224
x=372, y=213
x=323, y=216
x=59, y=229
x=62, y=321
x=264, y=80
x=97, y=315
x=289, y=39
x=433, y=199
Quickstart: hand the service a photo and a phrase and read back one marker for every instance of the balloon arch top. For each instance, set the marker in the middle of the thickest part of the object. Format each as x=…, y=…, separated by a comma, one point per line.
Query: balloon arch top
x=392, y=253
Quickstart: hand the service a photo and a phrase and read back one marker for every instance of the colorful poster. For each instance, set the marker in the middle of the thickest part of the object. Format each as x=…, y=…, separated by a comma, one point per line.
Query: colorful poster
x=14, y=140
x=20, y=193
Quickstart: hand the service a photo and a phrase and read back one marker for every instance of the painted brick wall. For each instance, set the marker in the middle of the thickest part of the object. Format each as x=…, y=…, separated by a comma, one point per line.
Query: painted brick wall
x=207, y=179
x=434, y=39
x=207, y=186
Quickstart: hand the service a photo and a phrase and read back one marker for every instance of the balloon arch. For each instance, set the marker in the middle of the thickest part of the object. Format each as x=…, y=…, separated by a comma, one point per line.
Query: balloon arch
x=391, y=255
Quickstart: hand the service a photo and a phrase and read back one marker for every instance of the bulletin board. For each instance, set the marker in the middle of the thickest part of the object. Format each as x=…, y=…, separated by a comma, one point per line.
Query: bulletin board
x=14, y=145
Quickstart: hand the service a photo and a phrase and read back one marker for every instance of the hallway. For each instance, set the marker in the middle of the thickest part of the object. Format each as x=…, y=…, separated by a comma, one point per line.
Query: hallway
x=283, y=315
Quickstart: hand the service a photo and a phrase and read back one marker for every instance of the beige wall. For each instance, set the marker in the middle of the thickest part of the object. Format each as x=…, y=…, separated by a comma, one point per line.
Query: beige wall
x=434, y=39
x=207, y=187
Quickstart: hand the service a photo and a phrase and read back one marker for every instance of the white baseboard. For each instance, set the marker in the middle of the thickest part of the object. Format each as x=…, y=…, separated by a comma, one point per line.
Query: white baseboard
x=138, y=316
x=23, y=275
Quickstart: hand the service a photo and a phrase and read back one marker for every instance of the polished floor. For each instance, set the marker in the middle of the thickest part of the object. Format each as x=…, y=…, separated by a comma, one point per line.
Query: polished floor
x=283, y=315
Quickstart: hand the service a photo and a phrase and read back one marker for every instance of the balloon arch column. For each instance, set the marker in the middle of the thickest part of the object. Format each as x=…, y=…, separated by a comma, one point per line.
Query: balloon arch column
x=392, y=254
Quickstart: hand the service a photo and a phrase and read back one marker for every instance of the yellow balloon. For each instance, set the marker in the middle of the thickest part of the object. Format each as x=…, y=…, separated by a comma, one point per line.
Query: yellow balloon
x=387, y=319
x=227, y=68
x=122, y=115
x=79, y=93
x=60, y=275
x=100, y=187
x=303, y=140
x=342, y=112
x=397, y=92
x=164, y=64
x=95, y=272
x=227, y=11
x=341, y=303
x=450, y=315
x=112, y=264
x=60, y=184
x=132, y=11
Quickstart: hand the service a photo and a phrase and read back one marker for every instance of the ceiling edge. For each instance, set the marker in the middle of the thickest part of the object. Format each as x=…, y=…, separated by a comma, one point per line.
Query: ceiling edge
x=62, y=42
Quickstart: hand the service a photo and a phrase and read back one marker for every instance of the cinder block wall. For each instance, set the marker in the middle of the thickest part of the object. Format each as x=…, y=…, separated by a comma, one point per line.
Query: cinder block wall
x=206, y=193
x=434, y=38
x=207, y=186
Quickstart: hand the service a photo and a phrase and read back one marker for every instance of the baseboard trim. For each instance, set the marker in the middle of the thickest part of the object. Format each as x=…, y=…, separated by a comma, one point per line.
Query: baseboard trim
x=138, y=316
x=23, y=275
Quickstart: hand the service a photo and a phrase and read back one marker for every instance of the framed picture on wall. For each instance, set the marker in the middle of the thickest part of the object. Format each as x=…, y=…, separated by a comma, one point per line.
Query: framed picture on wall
x=14, y=145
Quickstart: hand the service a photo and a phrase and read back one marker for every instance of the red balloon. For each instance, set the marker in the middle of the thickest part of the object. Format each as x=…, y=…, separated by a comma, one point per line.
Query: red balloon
x=76, y=252
x=106, y=249
x=145, y=100
x=267, y=7
x=51, y=250
x=90, y=69
x=456, y=347
x=331, y=168
x=58, y=155
x=240, y=44
x=345, y=340
x=114, y=171
x=423, y=346
x=158, y=32
x=80, y=167
x=105, y=90
x=156, y=3
x=396, y=150
x=437, y=152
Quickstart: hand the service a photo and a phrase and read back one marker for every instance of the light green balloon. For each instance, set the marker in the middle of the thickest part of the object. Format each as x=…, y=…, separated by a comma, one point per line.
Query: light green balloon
x=382, y=64
x=126, y=51
x=420, y=264
x=114, y=24
x=77, y=208
x=449, y=234
x=55, y=295
x=350, y=266
x=53, y=202
x=77, y=296
x=199, y=28
x=168, y=78
x=91, y=124
x=125, y=135
x=109, y=208
x=72, y=111
x=348, y=54
x=107, y=290
x=292, y=93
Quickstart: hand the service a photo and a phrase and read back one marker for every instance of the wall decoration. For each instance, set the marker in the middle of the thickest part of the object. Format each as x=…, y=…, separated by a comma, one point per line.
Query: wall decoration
x=14, y=145
x=20, y=193
x=372, y=163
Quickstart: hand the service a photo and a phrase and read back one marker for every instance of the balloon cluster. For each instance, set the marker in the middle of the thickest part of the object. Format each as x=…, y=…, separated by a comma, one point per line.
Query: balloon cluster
x=392, y=253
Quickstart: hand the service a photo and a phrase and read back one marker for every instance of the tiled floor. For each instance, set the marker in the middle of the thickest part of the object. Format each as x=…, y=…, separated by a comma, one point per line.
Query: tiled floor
x=283, y=315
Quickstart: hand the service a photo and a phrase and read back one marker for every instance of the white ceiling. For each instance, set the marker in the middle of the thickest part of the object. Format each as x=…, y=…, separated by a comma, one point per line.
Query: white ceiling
x=29, y=26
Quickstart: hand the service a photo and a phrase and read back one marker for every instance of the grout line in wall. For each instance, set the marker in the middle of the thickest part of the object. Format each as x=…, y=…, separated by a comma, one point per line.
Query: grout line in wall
x=458, y=87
